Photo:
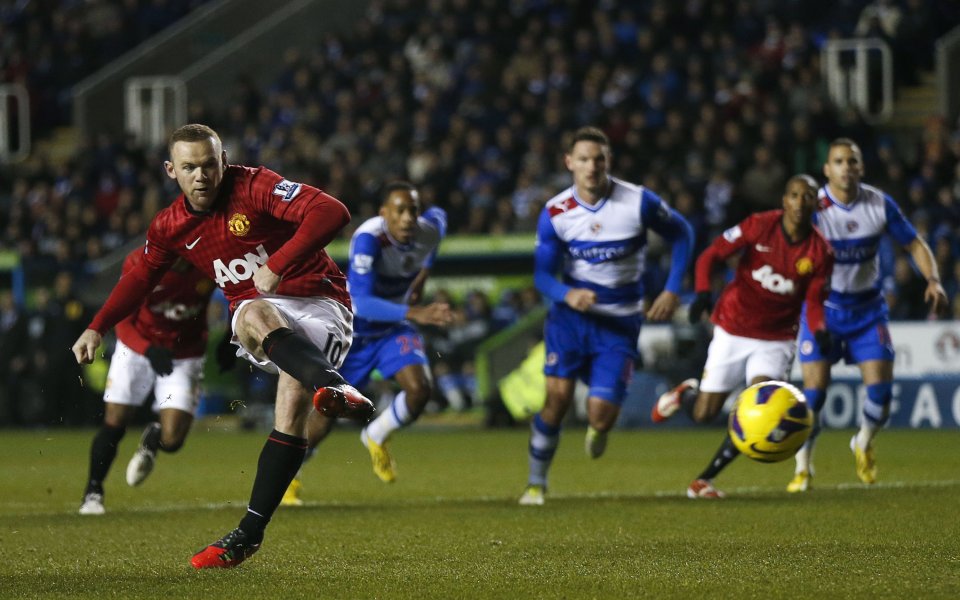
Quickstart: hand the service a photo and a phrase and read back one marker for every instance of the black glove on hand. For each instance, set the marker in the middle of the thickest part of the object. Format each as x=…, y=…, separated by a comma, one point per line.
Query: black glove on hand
x=824, y=340
x=226, y=353
x=702, y=303
x=161, y=359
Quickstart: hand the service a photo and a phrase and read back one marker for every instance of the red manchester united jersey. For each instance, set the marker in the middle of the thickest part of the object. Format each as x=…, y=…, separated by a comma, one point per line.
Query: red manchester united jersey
x=173, y=316
x=259, y=218
x=773, y=278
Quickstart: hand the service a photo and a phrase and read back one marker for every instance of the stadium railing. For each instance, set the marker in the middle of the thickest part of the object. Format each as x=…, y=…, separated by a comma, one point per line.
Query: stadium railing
x=849, y=68
x=948, y=77
x=214, y=46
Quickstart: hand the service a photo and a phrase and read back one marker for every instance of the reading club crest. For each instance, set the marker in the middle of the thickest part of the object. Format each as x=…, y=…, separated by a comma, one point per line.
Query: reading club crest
x=239, y=225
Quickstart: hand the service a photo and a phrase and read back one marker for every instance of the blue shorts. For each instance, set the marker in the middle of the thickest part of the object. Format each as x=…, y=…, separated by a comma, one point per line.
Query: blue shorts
x=599, y=350
x=858, y=336
x=388, y=353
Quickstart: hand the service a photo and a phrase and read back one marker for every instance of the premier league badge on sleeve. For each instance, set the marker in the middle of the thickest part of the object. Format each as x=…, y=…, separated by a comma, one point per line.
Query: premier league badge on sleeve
x=287, y=190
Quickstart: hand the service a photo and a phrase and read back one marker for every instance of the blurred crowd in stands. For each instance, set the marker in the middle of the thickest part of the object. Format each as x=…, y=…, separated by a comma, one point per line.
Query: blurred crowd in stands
x=710, y=104
x=51, y=45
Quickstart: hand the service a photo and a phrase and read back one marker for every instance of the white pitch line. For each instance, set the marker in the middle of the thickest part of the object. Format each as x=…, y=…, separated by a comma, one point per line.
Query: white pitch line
x=412, y=502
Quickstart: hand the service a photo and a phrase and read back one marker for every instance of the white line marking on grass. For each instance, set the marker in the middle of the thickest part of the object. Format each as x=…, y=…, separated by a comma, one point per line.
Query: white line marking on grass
x=424, y=501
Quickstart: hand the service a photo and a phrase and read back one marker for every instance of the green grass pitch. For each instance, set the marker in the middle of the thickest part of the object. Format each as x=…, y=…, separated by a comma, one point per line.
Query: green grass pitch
x=617, y=527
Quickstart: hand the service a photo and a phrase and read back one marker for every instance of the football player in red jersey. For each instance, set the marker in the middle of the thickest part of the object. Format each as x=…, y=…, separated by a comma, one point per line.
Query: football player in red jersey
x=261, y=238
x=160, y=348
x=784, y=261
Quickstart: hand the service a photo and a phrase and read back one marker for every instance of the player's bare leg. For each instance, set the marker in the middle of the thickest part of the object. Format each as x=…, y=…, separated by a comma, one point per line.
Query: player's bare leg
x=264, y=332
x=545, y=437
x=167, y=435
x=708, y=406
x=601, y=416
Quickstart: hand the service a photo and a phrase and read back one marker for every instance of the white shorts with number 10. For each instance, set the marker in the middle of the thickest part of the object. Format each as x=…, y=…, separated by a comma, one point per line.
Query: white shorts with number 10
x=131, y=379
x=733, y=361
x=326, y=323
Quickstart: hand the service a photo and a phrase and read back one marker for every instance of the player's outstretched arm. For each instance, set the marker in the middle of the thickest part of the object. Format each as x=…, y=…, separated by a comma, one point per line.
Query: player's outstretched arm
x=435, y=313
x=85, y=348
x=934, y=295
x=663, y=307
x=416, y=288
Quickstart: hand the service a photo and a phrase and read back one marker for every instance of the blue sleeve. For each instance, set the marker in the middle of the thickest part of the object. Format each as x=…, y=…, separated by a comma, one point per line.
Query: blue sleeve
x=361, y=280
x=438, y=217
x=898, y=225
x=887, y=261
x=547, y=260
x=655, y=214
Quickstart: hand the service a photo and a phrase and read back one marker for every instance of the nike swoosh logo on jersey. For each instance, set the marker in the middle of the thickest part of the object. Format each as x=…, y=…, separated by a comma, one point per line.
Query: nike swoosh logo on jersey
x=762, y=248
x=194, y=243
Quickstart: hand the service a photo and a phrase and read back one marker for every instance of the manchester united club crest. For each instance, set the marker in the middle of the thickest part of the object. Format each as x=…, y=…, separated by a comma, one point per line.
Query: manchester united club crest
x=804, y=266
x=239, y=225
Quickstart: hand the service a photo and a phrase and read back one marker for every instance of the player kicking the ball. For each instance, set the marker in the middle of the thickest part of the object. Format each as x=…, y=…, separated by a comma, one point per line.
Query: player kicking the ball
x=261, y=238
x=784, y=261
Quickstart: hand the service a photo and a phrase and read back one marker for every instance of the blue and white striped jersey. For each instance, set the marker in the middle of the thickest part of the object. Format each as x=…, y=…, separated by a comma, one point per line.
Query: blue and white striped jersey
x=381, y=269
x=602, y=247
x=855, y=231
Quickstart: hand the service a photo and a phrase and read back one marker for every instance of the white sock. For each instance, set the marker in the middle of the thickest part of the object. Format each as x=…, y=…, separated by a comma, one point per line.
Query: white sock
x=805, y=458
x=867, y=432
x=395, y=417
x=456, y=399
x=544, y=440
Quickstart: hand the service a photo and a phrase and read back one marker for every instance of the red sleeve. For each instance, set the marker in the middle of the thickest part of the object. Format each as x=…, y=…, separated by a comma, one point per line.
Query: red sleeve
x=320, y=216
x=126, y=297
x=321, y=223
x=138, y=279
x=817, y=291
x=723, y=246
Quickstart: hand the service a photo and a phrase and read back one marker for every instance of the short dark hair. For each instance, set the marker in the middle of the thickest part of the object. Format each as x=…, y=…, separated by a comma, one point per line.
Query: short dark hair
x=193, y=132
x=589, y=134
x=397, y=186
x=845, y=141
x=807, y=179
